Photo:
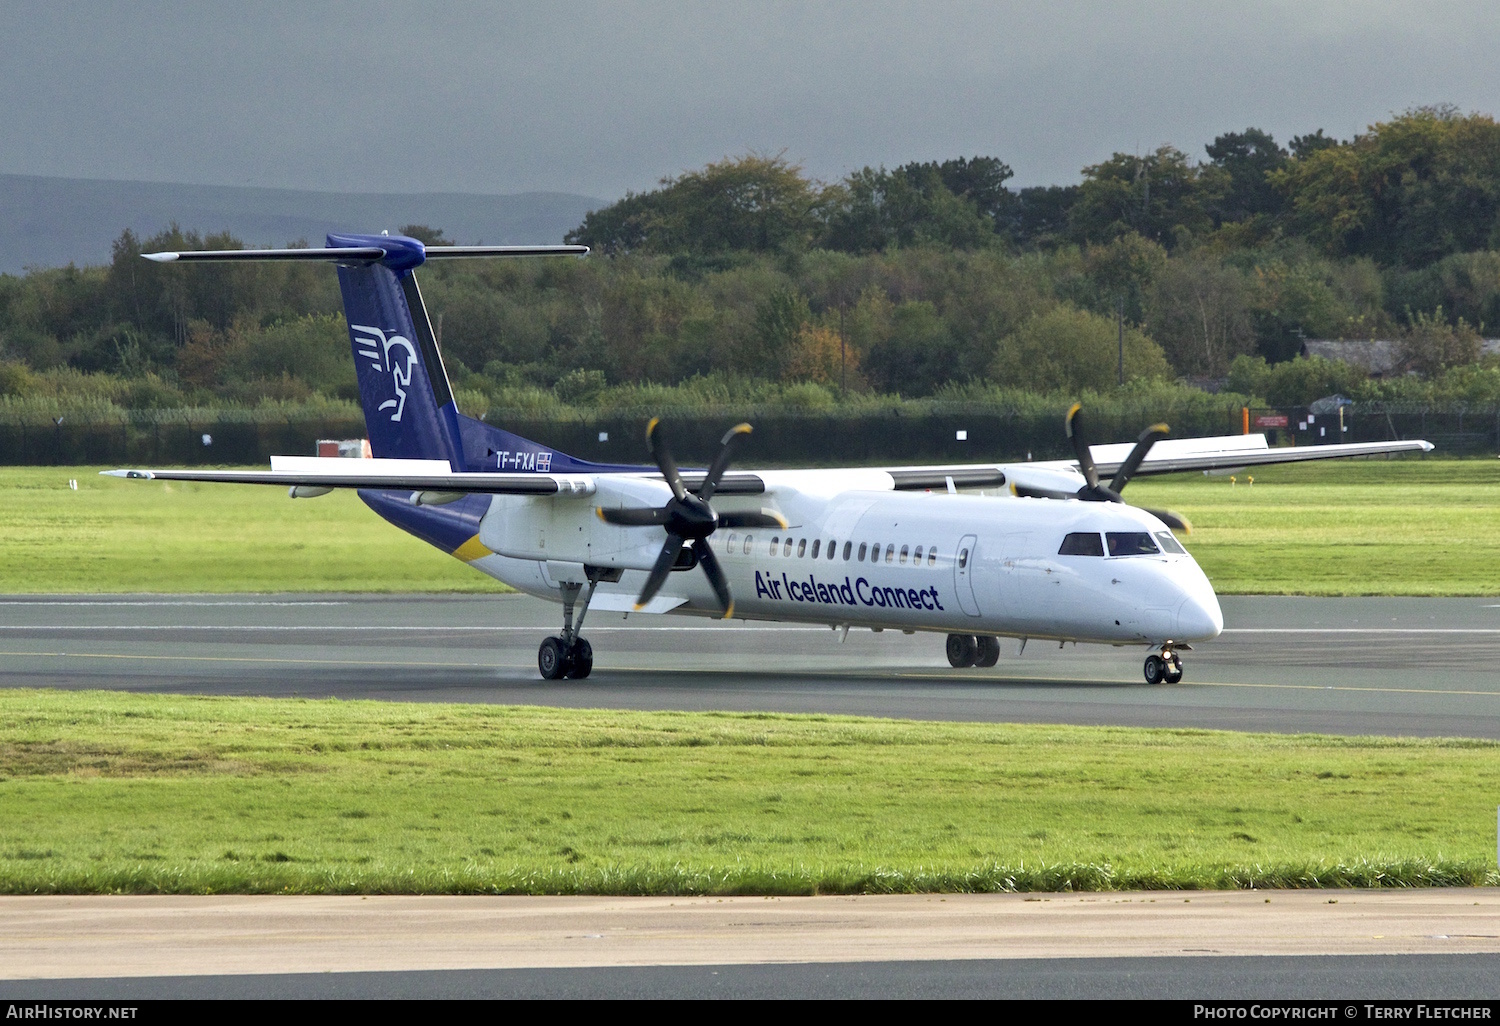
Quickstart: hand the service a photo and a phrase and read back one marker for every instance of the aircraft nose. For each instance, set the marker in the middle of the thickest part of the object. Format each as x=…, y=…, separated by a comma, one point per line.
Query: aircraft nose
x=1199, y=618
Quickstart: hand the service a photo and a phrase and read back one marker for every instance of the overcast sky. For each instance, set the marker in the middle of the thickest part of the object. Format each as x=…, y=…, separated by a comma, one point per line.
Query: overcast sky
x=598, y=98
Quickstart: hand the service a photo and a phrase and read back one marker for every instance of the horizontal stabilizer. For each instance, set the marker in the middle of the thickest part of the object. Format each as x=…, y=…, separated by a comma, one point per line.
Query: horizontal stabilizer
x=359, y=254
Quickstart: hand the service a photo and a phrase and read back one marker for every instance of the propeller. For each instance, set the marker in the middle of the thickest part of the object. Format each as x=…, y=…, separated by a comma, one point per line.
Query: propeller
x=1093, y=490
x=688, y=517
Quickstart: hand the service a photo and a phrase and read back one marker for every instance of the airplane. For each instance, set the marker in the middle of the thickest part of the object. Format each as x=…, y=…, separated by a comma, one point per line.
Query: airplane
x=1034, y=550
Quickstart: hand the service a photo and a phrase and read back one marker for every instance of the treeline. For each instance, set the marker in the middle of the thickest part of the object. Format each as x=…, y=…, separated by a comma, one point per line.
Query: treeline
x=749, y=282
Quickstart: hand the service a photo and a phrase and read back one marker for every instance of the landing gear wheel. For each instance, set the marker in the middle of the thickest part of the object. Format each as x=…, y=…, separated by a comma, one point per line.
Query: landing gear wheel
x=581, y=659
x=1155, y=669
x=552, y=659
x=1174, y=667
x=987, y=652
x=962, y=649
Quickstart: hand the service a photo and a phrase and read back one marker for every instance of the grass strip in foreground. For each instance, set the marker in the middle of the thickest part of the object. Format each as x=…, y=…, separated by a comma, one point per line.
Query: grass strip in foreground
x=104, y=792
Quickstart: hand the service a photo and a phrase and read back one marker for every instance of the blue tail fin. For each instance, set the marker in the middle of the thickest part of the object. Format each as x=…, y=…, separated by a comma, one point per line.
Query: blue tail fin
x=408, y=403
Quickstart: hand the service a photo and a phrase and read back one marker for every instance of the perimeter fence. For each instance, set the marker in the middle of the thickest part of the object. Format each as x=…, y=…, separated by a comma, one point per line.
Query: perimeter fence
x=936, y=432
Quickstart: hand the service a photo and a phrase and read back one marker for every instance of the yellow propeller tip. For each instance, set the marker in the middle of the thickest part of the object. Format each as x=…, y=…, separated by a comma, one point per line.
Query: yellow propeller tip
x=741, y=429
x=639, y=606
x=599, y=512
x=1162, y=428
x=729, y=612
x=651, y=424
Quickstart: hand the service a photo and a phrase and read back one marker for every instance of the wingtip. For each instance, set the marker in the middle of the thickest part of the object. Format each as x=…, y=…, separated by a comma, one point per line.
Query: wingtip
x=159, y=258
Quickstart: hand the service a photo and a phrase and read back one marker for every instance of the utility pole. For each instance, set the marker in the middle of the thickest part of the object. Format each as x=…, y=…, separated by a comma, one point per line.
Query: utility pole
x=843, y=358
x=1120, y=327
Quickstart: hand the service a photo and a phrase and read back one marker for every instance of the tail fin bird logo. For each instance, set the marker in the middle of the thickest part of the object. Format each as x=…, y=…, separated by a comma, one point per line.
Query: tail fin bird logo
x=384, y=359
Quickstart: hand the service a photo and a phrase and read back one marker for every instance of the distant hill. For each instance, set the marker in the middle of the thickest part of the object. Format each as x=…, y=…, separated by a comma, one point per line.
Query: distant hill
x=49, y=222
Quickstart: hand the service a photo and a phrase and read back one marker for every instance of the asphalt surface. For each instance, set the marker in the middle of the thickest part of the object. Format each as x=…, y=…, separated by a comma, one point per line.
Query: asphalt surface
x=1341, y=978
x=1393, y=666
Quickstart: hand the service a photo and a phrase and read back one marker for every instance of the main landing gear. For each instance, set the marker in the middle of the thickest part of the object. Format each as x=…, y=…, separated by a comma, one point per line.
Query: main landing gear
x=968, y=650
x=568, y=655
x=1165, y=668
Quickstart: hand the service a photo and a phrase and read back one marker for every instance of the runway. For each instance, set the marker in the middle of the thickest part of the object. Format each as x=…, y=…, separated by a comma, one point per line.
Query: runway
x=1351, y=666
x=1431, y=943
x=1393, y=666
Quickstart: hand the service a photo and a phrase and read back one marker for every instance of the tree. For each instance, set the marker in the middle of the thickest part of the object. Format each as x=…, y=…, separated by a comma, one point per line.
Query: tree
x=1160, y=196
x=754, y=203
x=1247, y=157
x=1070, y=350
x=1430, y=345
x=1199, y=312
x=1408, y=191
x=872, y=209
x=917, y=356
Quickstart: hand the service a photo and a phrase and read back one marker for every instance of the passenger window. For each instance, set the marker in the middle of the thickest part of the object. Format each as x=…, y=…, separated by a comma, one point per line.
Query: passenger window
x=1170, y=544
x=903, y=553
x=875, y=553
x=1082, y=543
x=862, y=552
x=801, y=547
x=932, y=555
x=890, y=553
x=1130, y=543
x=787, y=549
x=833, y=547
x=730, y=546
x=816, y=543
x=963, y=558
x=916, y=557
x=847, y=547
x=775, y=544
x=748, y=539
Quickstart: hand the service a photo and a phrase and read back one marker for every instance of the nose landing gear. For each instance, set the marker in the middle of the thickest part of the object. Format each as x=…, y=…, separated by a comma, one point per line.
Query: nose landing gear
x=568, y=655
x=1165, y=668
x=967, y=650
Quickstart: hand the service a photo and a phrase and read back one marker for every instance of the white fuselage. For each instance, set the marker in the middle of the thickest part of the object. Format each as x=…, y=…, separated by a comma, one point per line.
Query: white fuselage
x=988, y=564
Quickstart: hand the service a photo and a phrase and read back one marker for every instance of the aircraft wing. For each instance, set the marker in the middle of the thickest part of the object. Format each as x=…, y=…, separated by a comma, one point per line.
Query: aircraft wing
x=432, y=476
x=1226, y=452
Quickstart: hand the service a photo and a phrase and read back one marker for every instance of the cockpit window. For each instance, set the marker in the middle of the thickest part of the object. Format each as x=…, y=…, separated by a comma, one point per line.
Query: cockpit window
x=1170, y=544
x=1082, y=543
x=1131, y=543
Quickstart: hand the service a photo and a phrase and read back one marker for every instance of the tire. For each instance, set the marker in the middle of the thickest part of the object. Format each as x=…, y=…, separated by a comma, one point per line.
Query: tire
x=581, y=660
x=1175, y=677
x=1155, y=669
x=1174, y=669
x=988, y=652
x=962, y=649
x=551, y=659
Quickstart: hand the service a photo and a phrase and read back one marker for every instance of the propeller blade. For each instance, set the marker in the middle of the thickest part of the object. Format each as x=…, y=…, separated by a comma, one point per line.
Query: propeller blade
x=1176, y=521
x=658, y=575
x=657, y=443
x=721, y=461
x=633, y=517
x=1080, y=447
x=765, y=518
x=710, y=564
x=1143, y=444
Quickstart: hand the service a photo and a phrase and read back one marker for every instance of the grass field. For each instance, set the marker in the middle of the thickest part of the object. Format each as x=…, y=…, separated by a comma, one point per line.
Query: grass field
x=1400, y=527
x=123, y=536
x=108, y=792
